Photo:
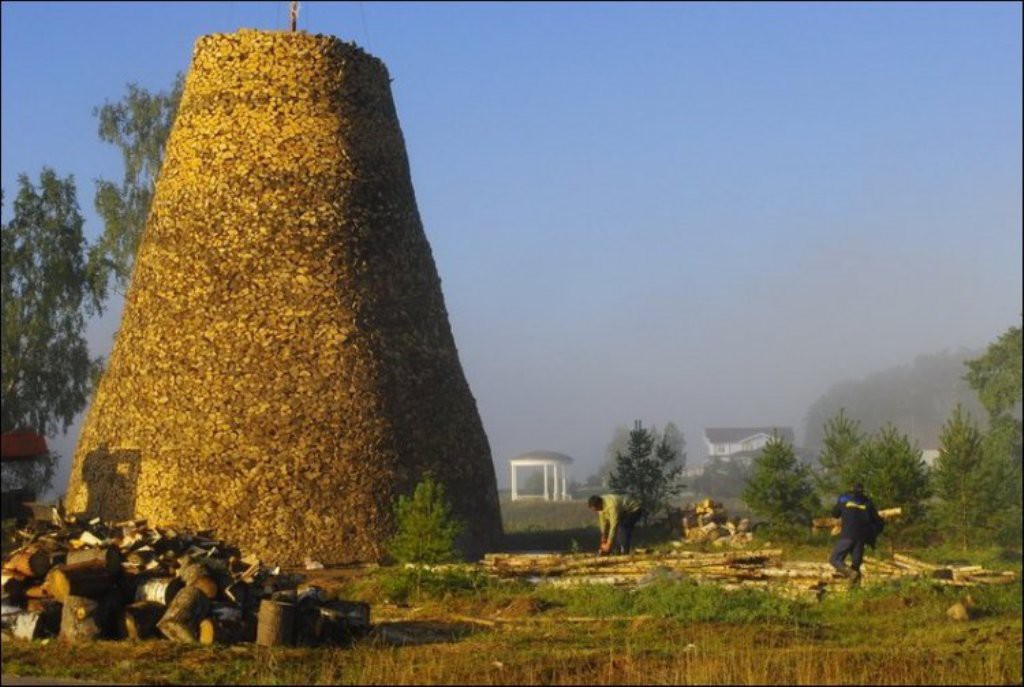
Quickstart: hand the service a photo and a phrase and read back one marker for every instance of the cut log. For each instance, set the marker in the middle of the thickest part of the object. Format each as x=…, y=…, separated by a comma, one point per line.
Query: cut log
x=36, y=624
x=159, y=589
x=38, y=591
x=276, y=625
x=190, y=572
x=83, y=619
x=207, y=585
x=109, y=557
x=85, y=579
x=227, y=625
x=180, y=622
x=14, y=584
x=30, y=561
x=138, y=620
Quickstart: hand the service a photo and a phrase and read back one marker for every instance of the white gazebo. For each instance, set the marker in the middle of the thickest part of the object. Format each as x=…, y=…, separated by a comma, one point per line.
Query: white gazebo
x=554, y=488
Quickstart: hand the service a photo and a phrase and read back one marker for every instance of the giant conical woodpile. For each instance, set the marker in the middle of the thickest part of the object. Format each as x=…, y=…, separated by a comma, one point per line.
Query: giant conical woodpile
x=285, y=366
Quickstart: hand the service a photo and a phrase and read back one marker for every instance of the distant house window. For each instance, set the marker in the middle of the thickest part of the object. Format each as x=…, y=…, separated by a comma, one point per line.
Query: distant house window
x=719, y=449
x=748, y=445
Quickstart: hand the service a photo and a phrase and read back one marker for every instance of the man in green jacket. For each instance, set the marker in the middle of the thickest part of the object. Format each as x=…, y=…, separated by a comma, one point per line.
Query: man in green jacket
x=616, y=517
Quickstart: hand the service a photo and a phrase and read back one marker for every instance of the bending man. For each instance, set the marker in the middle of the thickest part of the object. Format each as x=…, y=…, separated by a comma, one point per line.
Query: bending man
x=616, y=517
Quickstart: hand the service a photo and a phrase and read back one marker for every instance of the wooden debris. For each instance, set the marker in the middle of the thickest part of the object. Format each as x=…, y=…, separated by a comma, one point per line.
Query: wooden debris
x=187, y=578
x=760, y=569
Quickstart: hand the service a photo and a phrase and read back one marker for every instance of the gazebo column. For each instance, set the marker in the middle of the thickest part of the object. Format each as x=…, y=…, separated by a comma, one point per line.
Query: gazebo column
x=515, y=491
x=565, y=491
x=547, y=496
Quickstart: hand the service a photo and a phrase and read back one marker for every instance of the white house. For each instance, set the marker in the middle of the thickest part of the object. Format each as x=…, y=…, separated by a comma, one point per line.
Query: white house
x=742, y=442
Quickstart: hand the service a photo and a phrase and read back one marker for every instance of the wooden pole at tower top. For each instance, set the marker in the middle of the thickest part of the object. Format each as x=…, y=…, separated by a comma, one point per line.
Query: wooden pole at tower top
x=293, y=14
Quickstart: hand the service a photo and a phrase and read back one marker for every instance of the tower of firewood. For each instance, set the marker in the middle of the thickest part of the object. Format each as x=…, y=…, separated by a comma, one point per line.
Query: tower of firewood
x=285, y=365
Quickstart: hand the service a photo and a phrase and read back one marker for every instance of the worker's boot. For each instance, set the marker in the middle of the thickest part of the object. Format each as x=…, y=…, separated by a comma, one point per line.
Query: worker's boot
x=844, y=572
x=855, y=578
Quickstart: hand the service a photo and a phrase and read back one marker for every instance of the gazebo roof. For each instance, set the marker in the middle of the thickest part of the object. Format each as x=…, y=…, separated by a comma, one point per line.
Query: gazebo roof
x=548, y=456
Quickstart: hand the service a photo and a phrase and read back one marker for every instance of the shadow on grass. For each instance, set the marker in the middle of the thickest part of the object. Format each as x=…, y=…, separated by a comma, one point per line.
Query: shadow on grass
x=583, y=539
x=418, y=632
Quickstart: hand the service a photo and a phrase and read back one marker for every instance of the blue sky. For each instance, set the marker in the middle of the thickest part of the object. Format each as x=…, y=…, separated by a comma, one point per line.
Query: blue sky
x=704, y=213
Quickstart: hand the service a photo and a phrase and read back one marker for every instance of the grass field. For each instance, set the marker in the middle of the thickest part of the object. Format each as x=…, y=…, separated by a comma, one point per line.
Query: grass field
x=462, y=627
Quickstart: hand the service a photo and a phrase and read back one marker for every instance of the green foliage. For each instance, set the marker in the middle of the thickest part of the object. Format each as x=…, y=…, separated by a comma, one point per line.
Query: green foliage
x=425, y=527
x=996, y=375
x=48, y=290
x=960, y=478
x=722, y=478
x=400, y=585
x=893, y=474
x=780, y=487
x=915, y=398
x=649, y=473
x=138, y=125
x=619, y=444
x=842, y=440
x=1002, y=449
x=683, y=600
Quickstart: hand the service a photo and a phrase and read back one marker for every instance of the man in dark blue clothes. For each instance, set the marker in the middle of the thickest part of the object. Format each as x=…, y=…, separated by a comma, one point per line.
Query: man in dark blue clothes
x=861, y=525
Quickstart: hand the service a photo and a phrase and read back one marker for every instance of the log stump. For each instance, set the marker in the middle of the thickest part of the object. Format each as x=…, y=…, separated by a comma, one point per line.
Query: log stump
x=276, y=624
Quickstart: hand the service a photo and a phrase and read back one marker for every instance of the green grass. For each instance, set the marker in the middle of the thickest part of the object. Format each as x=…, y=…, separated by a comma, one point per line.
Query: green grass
x=671, y=631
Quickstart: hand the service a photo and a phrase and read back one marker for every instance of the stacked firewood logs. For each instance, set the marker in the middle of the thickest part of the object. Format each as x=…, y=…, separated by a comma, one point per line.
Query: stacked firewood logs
x=707, y=521
x=91, y=580
x=756, y=568
x=285, y=366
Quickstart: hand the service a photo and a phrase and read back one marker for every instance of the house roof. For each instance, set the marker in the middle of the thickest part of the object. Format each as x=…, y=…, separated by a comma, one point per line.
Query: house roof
x=736, y=435
x=544, y=455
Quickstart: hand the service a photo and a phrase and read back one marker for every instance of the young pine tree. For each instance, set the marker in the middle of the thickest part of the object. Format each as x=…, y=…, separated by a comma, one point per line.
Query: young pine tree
x=648, y=474
x=839, y=447
x=893, y=474
x=426, y=529
x=780, y=486
x=959, y=477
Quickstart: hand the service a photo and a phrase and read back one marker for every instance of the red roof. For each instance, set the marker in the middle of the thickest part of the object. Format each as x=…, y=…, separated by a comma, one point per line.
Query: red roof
x=22, y=445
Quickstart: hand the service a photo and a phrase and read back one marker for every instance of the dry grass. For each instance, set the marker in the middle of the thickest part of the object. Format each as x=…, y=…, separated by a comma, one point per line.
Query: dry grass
x=895, y=637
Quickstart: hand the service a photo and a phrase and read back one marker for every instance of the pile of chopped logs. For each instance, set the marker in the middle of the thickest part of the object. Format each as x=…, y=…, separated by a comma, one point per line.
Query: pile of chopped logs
x=83, y=580
x=707, y=521
x=285, y=366
x=761, y=568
